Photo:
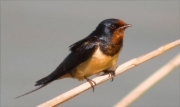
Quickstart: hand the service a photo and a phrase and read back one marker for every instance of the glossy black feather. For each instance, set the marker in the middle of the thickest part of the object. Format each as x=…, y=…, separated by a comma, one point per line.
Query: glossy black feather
x=103, y=37
x=80, y=52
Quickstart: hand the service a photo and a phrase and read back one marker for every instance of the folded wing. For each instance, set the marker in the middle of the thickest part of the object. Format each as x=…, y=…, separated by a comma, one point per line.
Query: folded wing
x=80, y=52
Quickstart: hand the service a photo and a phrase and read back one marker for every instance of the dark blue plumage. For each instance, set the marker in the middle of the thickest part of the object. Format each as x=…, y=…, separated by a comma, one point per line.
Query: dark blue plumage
x=96, y=53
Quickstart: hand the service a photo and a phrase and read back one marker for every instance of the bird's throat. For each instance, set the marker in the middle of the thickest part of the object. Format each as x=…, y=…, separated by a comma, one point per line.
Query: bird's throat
x=111, y=48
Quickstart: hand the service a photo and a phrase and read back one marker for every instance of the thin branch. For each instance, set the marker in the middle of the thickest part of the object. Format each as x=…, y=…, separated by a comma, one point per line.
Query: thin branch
x=153, y=79
x=74, y=92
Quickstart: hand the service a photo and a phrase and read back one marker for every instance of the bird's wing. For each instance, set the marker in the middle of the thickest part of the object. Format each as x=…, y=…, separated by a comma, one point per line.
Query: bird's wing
x=80, y=52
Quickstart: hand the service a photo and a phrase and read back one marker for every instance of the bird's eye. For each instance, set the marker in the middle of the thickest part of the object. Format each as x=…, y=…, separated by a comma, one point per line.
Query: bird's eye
x=113, y=26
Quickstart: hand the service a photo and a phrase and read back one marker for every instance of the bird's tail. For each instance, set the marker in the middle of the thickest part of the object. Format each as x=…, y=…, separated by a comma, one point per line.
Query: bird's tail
x=43, y=82
x=31, y=91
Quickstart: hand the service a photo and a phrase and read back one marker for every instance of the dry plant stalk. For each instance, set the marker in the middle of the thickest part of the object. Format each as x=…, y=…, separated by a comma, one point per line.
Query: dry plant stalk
x=153, y=79
x=74, y=92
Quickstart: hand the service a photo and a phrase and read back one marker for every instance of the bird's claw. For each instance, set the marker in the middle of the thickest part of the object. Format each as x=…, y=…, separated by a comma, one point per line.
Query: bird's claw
x=91, y=82
x=110, y=73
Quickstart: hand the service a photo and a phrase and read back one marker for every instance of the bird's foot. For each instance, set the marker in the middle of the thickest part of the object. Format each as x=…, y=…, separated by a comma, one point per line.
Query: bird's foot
x=91, y=82
x=111, y=74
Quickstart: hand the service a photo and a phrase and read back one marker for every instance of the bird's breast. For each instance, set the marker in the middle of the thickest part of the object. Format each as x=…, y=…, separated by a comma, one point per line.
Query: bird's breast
x=95, y=64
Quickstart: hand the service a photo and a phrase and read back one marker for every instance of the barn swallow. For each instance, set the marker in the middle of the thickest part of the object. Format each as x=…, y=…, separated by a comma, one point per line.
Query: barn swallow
x=94, y=54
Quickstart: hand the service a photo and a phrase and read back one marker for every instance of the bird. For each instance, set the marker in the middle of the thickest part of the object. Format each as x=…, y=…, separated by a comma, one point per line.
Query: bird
x=97, y=53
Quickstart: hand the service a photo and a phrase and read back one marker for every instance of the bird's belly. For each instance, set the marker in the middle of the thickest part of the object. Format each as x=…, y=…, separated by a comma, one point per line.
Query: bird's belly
x=95, y=64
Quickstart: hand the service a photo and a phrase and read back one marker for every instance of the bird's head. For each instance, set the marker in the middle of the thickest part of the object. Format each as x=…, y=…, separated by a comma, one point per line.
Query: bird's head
x=110, y=27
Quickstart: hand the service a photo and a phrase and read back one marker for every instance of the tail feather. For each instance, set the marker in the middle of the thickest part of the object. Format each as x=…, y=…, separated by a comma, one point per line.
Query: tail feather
x=51, y=77
x=31, y=91
x=42, y=81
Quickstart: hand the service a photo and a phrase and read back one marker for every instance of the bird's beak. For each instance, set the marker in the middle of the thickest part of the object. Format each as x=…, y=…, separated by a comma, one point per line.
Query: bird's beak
x=126, y=26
